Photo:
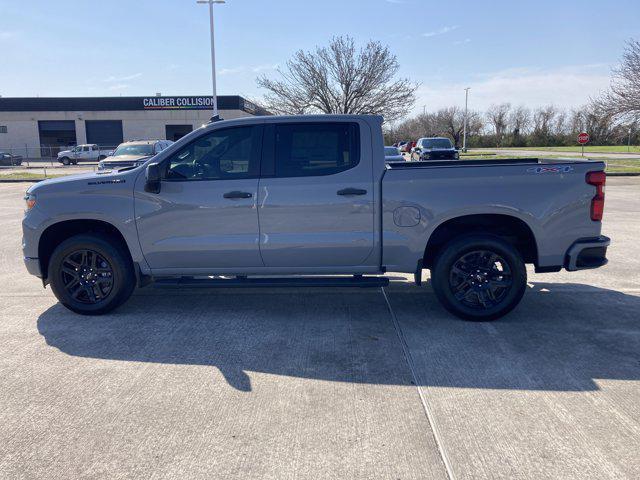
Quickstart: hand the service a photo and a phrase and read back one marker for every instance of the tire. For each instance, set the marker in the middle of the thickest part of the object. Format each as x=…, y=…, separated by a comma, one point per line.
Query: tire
x=65, y=161
x=110, y=277
x=479, y=286
x=102, y=157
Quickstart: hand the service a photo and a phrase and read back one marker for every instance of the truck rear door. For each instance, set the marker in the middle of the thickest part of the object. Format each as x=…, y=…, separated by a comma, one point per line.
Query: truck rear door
x=316, y=195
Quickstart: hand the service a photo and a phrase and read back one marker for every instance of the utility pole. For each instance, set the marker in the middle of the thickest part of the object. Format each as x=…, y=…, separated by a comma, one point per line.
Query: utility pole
x=213, y=55
x=629, y=142
x=466, y=112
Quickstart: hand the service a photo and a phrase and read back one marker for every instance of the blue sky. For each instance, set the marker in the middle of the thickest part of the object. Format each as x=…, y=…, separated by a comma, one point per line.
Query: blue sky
x=530, y=53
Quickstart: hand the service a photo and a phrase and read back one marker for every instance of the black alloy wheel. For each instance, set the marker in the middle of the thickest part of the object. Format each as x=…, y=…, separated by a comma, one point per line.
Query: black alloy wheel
x=92, y=273
x=479, y=277
x=87, y=276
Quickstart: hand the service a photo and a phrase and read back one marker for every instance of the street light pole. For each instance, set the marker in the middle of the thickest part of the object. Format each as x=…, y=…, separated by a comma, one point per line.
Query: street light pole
x=466, y=111
x=213, y=54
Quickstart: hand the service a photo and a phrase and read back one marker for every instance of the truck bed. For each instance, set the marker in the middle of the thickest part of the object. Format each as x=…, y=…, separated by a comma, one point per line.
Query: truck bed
x=550, y=196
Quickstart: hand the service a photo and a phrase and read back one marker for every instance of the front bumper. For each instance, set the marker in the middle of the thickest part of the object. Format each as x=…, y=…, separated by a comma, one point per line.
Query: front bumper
x=585, y=254
x=33, y=266
x=439, y=156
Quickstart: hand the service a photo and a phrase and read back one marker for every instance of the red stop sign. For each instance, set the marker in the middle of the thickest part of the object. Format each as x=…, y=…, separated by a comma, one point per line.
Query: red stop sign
x=583, y=138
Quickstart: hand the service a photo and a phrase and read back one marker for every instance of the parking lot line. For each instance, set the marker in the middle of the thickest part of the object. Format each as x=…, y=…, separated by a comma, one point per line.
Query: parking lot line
x=418, y=383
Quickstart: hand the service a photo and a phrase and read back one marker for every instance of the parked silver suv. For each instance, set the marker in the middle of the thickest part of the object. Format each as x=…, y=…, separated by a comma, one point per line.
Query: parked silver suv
x=134, y=153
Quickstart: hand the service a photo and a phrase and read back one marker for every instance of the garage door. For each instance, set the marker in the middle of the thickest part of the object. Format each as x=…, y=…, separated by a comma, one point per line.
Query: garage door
x=106, y=133
x=57, y=133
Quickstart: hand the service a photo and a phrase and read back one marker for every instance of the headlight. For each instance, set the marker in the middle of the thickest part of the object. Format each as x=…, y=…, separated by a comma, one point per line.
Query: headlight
x=30, y=200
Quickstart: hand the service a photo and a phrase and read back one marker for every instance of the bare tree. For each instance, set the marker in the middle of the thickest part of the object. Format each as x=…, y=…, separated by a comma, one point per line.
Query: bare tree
x=519, y=120
x=450, y=122
x=543, y=125
x=623, y=97
x=340, y=78
x=498, y=115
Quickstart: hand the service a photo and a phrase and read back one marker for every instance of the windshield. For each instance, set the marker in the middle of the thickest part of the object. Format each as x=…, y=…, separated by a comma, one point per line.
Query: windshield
x=389, y=151
x=139, y=150
x=437, y=143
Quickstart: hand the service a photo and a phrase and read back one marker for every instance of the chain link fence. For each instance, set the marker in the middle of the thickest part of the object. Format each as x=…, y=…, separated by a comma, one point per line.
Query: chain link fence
x=12, y=156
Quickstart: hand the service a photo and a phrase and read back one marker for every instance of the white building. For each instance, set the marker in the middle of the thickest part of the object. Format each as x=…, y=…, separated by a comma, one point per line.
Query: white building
x=41, y=126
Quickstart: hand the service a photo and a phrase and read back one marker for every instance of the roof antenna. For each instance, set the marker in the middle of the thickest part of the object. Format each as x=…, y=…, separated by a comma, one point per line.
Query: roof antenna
x=215, y=118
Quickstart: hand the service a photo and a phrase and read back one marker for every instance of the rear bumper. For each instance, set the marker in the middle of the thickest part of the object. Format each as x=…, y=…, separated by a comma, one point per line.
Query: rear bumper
x=588, y=253
x=33, y=266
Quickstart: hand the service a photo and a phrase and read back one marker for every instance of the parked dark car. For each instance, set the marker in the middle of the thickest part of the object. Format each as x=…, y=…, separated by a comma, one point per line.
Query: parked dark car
x=392, y=154
x=434, y=148
x=8, y=160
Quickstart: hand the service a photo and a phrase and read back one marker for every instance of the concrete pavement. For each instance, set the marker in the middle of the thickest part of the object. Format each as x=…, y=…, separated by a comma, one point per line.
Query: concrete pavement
x=325, y=383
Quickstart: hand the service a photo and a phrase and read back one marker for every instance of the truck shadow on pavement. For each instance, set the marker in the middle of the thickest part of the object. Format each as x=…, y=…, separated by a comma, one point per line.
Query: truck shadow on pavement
x=563, y=337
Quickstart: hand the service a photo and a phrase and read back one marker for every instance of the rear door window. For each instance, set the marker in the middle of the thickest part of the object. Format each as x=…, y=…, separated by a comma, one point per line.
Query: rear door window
x=313, y=149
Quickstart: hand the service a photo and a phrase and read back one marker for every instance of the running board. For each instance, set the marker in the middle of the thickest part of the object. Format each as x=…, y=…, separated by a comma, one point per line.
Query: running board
x=233, y=282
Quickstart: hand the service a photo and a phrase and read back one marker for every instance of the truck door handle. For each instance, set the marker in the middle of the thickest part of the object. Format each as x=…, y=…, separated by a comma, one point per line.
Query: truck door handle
x=237, y=194
x=352, y=191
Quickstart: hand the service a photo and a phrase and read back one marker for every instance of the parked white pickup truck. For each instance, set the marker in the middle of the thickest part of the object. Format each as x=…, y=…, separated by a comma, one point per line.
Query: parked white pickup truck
x=309, y=200
x=82, y=153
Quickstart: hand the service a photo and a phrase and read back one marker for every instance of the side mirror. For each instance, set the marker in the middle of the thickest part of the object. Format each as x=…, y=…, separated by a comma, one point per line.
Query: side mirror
x=154, y=176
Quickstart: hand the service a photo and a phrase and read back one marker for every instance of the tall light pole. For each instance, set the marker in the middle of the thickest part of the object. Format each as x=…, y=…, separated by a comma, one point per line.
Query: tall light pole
x=466, y=111
x=213, y=55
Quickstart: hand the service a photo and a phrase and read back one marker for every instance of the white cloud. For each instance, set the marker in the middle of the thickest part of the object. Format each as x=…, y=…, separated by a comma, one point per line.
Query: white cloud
x=118, y=86
x=230, y=71
x=462, y=42
x=255, y=69
x=441, y=31
x=263, y=68
x=124, y=78
x=6, y=35
x=567, y=87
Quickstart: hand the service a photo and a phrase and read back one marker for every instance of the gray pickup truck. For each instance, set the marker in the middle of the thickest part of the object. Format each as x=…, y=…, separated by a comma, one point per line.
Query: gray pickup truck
x=309, y=200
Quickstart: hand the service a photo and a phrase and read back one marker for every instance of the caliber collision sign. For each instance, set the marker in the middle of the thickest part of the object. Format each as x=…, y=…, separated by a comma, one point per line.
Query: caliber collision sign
x=177, y=103
x=583, y=138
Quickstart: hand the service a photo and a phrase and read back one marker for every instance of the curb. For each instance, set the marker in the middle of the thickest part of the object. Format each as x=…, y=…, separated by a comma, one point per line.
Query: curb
x=25, y=180
x=623, y=174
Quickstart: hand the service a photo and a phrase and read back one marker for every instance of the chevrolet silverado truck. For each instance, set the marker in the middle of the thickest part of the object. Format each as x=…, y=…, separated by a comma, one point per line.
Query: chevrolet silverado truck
x=82, y=153
x=310, y=200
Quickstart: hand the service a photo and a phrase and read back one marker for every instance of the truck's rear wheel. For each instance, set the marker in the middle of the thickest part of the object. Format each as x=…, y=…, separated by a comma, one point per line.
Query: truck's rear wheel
x=91, y=275
x=479, y=277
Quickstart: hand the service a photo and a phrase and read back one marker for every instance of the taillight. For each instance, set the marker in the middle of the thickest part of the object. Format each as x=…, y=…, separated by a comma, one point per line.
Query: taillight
x=598, y=180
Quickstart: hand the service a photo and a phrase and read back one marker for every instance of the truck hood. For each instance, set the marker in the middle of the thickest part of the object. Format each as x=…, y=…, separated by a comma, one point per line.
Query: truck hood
x=80, y=181
x=126, y=158
x=64, y=152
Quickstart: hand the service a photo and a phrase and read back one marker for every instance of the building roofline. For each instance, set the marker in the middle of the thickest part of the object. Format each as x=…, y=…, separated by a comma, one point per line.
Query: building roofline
x=128, y=103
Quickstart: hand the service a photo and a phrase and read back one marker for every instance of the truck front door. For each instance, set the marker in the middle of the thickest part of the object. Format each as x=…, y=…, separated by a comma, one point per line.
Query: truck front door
x=205, y=215
x=316, y=199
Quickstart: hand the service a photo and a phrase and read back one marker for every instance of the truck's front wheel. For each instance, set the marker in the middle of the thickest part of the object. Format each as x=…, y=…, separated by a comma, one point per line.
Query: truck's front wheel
x=479, y=277
x=91, y=275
